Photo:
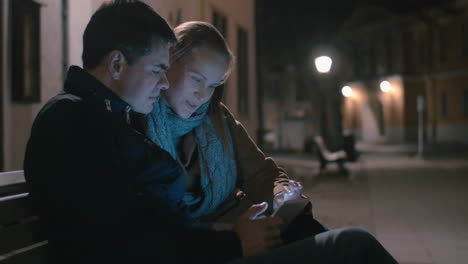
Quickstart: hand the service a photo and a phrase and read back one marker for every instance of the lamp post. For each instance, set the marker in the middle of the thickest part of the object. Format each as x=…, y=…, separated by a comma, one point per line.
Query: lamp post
x=324, y=106
x=420, y=105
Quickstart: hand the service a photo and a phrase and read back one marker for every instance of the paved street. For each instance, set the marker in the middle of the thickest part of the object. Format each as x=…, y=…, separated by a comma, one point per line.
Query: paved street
x=417, y=208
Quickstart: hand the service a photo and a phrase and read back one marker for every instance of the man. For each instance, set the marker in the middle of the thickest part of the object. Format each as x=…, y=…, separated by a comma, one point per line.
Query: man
x=105, y=193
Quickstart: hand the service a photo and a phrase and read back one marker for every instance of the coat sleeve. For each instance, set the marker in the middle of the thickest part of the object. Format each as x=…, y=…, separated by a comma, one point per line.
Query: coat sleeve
x=259, y=176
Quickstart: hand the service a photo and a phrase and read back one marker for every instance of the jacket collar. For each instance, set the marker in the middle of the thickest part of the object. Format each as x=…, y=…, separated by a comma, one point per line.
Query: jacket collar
x=83, y=84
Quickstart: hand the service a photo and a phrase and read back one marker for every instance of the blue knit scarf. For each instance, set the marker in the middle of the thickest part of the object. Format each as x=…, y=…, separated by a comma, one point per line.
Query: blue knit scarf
x=218, y=168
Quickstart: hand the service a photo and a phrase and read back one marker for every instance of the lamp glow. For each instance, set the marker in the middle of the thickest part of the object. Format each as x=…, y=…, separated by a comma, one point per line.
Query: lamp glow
x=385, y=86
x=347, y=91
x=323, y=64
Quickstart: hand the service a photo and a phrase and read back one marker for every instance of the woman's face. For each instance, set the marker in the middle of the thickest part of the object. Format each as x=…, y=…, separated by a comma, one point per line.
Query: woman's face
x=193, y=80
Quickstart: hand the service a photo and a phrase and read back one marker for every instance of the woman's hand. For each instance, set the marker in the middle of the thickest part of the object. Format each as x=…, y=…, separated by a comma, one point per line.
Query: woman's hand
x=291, y=191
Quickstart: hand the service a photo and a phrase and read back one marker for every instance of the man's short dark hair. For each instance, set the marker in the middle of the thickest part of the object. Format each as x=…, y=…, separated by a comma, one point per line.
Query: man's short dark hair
x=131, y=27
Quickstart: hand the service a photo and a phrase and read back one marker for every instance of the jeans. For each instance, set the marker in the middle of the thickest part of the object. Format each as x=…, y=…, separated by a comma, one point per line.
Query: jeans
x=302, y=227
x=343, y=245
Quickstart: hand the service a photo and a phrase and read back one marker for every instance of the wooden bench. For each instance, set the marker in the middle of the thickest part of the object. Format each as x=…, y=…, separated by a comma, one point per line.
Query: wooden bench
x=21, y=239
x=326, y=156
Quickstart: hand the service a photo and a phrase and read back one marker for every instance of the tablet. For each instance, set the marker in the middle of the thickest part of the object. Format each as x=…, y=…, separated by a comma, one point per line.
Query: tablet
x=289, y=210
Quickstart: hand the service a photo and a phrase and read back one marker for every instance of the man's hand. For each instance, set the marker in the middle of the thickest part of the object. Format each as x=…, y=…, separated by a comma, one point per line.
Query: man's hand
x=258, y=234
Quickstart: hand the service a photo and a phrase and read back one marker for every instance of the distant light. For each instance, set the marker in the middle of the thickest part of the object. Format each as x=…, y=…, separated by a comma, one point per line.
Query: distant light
x=269, y=137
x=347, y=91
x=323, y=64
x=385, y=86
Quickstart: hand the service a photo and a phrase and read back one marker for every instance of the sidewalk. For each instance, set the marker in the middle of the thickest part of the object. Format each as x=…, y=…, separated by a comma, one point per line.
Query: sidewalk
x=416, y=207
x=404, y=155
x=430, y=151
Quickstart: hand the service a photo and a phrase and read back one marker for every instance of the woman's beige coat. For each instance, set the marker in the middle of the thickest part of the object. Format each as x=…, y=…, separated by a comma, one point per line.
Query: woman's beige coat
x=259, y=177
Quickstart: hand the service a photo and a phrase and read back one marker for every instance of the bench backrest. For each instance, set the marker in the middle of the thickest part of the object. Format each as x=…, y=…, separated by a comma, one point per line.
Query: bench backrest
x=21, y=240
x=326, y=154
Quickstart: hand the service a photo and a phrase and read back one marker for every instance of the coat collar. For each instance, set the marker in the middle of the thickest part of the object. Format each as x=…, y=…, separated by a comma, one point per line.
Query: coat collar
x=83, y=84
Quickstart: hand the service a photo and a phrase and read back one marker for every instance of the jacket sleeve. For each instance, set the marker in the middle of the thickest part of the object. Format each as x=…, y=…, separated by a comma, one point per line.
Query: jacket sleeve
x=259, y=175
x=87, y=199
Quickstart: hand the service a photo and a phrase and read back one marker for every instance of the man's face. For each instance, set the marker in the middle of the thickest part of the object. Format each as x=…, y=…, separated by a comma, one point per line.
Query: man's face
x=141, y=82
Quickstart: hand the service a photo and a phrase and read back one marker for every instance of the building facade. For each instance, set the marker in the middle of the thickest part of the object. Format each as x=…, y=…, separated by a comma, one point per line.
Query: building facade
x=421, y=54
x=50, y=35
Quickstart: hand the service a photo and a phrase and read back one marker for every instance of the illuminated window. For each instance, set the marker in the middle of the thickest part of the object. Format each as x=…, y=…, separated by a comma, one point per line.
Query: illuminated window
x=367, y=60
x=25, y=51
x=65, y=59
x=242, y=71
x=220, y=22
x=2, y=43
x=171, y=18
x=444, y=105
x=421, y=47
x=443, y=55
x=464, y=40
x=465, y=102
x=358, y=61
x=388, y=53
x=179, y=18
x=378, y=56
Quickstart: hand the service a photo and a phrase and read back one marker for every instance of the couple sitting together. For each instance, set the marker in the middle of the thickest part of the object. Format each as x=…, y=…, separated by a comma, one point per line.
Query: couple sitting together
x=121, y=174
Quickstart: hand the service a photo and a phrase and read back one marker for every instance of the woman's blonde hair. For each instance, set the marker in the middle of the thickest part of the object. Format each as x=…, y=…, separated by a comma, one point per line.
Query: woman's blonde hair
x=193, y=35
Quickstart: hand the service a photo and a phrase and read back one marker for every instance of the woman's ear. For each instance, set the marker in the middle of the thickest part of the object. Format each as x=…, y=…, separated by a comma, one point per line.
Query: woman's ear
x=116, y=65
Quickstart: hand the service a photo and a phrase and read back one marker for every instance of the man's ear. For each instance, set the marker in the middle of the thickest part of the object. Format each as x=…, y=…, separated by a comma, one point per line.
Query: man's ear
x=117, y=63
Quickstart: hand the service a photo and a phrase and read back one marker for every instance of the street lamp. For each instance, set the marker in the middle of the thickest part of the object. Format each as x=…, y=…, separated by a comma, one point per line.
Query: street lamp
x=385, y=86
x=323, y=64
x=347, y=91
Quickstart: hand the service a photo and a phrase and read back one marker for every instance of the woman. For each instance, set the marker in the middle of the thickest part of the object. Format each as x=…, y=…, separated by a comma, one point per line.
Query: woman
x=221, y=160
x=190, y=122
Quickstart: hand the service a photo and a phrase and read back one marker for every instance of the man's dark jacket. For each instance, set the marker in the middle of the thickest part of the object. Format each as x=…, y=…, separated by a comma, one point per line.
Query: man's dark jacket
x=105, y=193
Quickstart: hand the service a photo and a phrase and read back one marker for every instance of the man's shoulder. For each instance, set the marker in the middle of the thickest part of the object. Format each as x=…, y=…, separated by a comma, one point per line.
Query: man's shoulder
x=62, y=105
x=62, y=111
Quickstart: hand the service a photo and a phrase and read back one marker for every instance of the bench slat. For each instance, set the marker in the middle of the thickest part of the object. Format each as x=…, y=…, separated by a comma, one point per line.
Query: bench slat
x=12, y=182
x=14, y=208
x=11, y=177
x=37, y=255
x=13, y=189
x=326, y=154
x=21, y=239
x=20, y=236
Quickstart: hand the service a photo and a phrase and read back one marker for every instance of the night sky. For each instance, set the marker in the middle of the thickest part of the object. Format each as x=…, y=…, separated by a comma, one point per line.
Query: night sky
x=290, y=29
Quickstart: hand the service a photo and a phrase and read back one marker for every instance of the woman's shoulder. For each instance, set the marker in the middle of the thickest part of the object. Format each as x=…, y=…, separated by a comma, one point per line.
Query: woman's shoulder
x=223, y=111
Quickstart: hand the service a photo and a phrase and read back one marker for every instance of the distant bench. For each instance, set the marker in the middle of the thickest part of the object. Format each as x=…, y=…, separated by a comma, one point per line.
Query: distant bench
x=21, y=239
x=327, y=156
